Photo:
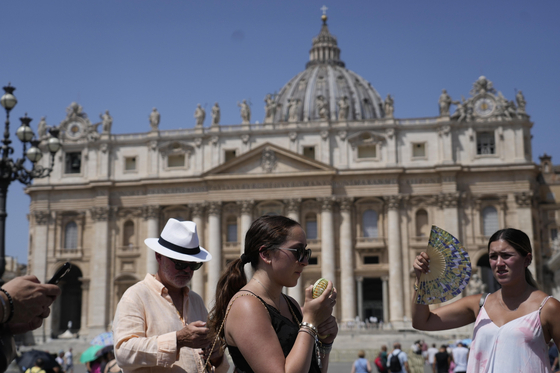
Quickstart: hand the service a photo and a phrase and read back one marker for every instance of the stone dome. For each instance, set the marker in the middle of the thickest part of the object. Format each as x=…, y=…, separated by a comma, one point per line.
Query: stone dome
x=325, y=90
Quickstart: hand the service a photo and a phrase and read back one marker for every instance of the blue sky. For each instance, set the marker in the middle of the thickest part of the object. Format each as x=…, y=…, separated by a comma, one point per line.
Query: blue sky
x=129, y=56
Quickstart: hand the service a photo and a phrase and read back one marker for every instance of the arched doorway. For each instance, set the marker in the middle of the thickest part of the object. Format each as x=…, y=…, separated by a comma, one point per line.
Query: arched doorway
x=486, y=274
x=70, y=306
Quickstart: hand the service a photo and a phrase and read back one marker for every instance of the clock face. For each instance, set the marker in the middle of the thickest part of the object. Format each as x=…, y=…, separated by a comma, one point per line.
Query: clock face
x=75, y=130
x=484, y=106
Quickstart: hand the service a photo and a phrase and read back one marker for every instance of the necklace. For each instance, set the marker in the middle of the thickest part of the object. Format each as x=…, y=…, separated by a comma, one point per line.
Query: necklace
x=267, y=293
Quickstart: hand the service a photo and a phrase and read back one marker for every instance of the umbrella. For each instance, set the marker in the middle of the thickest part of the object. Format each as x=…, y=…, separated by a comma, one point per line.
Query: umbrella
x=90, y=354
x=105, y=350
x=103, y=339
x=28, y=359
x=467, y=342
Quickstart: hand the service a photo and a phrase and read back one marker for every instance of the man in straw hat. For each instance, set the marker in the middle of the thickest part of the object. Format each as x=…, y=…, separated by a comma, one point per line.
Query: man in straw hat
x=160, y=325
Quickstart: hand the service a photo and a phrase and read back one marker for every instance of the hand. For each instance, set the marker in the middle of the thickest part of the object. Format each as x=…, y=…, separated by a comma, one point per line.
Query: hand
x=31, y=302
x=316, y=311
x=421, y=264
x=215, y=358
x=194, y=335
x=329, y=329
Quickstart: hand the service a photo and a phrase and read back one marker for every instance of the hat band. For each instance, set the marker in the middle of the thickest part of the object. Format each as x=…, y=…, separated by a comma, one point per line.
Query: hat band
x=179, y=249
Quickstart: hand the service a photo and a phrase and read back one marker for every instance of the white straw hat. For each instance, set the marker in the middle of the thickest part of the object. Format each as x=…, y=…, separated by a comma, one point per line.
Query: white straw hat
x=179, y=240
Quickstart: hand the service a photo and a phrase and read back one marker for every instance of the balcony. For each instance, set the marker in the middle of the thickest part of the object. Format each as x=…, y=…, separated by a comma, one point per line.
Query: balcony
x=370, y=242
x=75, y=253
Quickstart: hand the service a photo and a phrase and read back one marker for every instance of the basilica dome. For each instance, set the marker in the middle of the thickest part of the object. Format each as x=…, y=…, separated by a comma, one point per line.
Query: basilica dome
x=326, y=90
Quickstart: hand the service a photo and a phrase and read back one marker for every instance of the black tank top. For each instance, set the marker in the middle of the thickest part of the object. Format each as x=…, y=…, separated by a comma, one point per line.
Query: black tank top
x=286, y=331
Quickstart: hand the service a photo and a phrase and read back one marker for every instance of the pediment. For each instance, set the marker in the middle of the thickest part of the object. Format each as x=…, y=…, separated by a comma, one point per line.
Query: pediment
x=270, y=159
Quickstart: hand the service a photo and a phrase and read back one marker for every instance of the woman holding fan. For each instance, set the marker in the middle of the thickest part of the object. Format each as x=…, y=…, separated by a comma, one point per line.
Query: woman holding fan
x=512, y=325
x=263, y=329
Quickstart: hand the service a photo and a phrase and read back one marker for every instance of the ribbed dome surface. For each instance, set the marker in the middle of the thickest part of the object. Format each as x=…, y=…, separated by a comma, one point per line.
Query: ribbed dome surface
x=326, y=90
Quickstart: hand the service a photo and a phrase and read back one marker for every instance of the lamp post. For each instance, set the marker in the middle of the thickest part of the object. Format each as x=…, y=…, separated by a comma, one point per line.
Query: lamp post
x=11, y=170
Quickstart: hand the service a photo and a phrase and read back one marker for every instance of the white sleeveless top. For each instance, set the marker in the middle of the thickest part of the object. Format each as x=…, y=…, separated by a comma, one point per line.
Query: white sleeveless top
x=517, y=346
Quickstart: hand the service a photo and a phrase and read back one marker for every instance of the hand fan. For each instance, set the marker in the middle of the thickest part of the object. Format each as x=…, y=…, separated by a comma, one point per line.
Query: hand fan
x=450, y=269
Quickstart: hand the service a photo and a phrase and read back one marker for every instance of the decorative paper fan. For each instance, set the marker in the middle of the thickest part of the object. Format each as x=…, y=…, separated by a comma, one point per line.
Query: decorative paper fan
x=450, y=269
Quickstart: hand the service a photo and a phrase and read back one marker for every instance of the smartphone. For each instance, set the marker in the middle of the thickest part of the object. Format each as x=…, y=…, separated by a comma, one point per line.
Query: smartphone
x=60, y=273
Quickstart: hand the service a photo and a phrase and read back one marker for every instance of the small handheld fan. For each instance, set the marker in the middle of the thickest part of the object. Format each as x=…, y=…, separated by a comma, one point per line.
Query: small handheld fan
x=450, y=269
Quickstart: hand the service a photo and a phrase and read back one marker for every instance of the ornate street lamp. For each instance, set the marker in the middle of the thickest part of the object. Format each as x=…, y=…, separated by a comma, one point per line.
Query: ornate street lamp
x=11, y=170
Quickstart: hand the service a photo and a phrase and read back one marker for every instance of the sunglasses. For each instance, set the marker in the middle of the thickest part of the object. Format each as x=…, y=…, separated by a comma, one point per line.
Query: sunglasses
x=180, y=265
x=301, y=253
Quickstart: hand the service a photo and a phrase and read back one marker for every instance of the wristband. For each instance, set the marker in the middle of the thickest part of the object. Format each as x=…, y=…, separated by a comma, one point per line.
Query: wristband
x=6, y=313
x=11, y=305
x=310, y=326
x=325, y=348
x=305, y=330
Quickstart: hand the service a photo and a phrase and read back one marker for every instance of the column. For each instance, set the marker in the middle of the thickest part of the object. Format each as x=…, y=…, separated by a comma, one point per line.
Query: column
x=292, y=208
x=39, y=259
x=448, y=202
x=327, y=240
x=395, y=265
x=85, y=307
x=525, y=223
x=197, y=214
x=99, y=264
x=360, y=294
x=246, y=220
x=347, y=290
x=215, y=248
x=151, y=215
x=385, y=289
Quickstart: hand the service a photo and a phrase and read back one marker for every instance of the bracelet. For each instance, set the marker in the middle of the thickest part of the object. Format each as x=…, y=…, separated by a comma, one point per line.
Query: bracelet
x=5, y=308
x=11, y=305
x=310, y=326
x=325, y=348
x=310, y=331
x=415, y=287
x=307, y=331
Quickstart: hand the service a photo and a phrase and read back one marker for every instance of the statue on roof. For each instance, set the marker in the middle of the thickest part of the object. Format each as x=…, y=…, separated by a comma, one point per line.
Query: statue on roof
x=463, y=111
x=270, y=108
x=42, y=129
x=75, y=110
x=106, y=121
x=322, y=107
x=293, y=109
x=444, y=103
x=245, y=112
x=343, y=107
x=520, y=102
x=154, y=119
x=215, y=114
x=389, y=106
x=482, y=85
x=200, y=115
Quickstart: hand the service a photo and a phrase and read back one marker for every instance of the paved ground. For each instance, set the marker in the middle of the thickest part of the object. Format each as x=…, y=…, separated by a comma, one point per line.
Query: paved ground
x=345, y=349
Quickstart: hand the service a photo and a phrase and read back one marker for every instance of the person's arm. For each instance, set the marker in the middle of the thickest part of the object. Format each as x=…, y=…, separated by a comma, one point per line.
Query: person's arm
x=551, y=321
x=248, y=327
x=368, y=366
x=454, y=315
x=353, y=367
x=434, y=366
x=406, y=367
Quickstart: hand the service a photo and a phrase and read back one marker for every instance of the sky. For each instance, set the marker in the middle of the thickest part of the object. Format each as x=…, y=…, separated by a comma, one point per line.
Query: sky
x=129, y=56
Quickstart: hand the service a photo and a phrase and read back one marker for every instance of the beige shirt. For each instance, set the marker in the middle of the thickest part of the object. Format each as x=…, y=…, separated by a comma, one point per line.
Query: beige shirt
x=145, y=326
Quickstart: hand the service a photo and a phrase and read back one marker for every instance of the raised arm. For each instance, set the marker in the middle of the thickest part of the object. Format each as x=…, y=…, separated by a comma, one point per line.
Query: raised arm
x=454, y=315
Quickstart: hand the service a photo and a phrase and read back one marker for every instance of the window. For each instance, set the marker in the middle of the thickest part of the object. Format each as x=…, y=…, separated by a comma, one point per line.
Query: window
x=130, y=164
x=489, y=221
x=176, y=160
x=369, y=224
x=485, y=143
x=371, y=259
x=367, y=151
x=422, y=227
x=71, y=236
x=73, y=164
x=231, y=229
x=419, y=150
x=313, y=261
x=128, y=234
x=229, y=154
x=311, y=226
x=553, y=234
x=309, y=151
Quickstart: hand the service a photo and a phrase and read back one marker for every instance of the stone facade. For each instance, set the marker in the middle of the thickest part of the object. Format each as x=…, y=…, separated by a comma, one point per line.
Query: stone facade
x=366, y=188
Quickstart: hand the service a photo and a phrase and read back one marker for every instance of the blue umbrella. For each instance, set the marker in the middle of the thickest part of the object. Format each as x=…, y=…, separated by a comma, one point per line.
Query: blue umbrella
x=467, y=342
x=103, y=339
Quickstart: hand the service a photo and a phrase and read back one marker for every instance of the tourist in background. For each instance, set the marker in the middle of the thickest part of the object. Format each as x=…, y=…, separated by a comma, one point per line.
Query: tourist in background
x=442, y=360
x=459, y=355
x=397, y=360
x=512, y=324
x=361, y=365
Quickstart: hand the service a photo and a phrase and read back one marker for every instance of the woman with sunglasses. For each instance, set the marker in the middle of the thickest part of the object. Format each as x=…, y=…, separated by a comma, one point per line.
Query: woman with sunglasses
x=263, y=329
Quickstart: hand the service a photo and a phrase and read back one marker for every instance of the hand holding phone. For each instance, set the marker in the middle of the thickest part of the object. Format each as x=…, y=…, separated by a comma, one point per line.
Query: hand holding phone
x=60, y=273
